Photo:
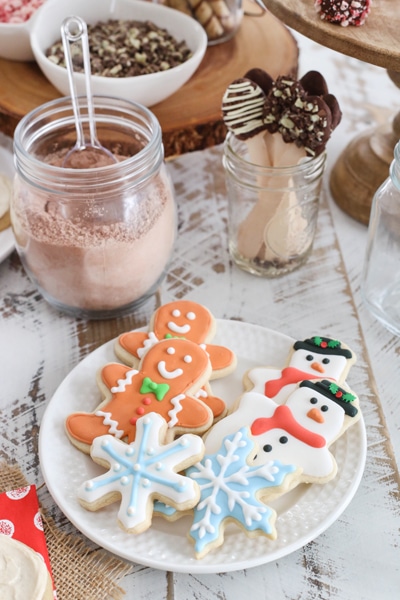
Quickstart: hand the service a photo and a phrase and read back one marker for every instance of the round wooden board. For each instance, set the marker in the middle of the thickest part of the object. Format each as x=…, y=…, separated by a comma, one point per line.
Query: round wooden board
x=191, y=118
x=375, y=42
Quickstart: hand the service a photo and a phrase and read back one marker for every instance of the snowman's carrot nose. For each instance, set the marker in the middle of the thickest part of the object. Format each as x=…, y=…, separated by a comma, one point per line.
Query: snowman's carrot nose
x=316, y=415
x=317, y=367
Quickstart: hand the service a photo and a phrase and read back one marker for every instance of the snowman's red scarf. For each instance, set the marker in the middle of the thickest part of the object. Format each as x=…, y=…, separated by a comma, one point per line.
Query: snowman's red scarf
x=289, y=375
x=283, y=419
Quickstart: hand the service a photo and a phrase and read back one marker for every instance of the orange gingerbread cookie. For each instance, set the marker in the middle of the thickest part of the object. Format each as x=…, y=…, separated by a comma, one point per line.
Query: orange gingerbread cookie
x=169, y=375
x=192, y=321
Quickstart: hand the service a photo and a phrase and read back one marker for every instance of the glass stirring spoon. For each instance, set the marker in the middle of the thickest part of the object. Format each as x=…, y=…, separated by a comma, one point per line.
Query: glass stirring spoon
x=87, y=153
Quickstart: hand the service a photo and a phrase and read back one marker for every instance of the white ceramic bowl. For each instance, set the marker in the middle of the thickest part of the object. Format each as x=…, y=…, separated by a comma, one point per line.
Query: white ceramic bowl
x=15, y=43
x=146, y=89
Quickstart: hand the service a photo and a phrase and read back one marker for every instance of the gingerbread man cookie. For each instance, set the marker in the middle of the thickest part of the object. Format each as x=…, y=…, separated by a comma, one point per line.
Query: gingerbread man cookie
x=169, y=376
x=192, y=321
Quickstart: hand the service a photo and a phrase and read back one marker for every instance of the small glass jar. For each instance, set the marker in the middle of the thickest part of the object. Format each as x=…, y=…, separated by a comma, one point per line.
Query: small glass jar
x=381, y=273
x=272, y=211
x=221, y=19
x=95, y=241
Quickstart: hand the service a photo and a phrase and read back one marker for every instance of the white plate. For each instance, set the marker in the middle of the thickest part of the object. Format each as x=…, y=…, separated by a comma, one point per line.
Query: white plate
x=303, y=514
x=7, y=240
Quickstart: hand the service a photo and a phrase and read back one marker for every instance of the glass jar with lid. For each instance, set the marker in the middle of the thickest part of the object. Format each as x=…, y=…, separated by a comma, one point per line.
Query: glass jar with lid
x=95, y=241
x=381, y=273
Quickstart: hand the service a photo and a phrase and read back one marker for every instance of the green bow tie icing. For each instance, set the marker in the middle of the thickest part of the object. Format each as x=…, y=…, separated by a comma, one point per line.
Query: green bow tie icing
x=151, y=387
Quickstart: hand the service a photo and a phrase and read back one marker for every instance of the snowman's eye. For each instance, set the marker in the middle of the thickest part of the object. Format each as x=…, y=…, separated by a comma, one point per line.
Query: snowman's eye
x=283, y=439
x=313, y=400
x=326, y=361
x=309, y=357
x=324, y=408
x=267, y=448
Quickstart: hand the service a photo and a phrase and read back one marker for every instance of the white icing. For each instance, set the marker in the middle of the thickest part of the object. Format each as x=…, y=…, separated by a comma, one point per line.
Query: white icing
x=177, y=407
x=188, y=359
x=142, y=477
x=176, y=312
x=191, y=316
x=316, y=462
x=147, y=343
x=246, y=111
x=111, y=423
x=23, y=573
x=182, y=329
x=162, y=369
x=170, y=350
x=122, y=383
x=333, y=370
x=333, y=418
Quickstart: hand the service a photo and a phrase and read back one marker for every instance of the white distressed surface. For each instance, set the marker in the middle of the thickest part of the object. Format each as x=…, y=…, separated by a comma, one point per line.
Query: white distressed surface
x=358, y=557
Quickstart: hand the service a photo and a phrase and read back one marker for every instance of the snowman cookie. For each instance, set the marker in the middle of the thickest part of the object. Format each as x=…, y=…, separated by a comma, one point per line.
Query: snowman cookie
x=313, y=358
x=169, y=375
x=188, y=320
x=298, y=432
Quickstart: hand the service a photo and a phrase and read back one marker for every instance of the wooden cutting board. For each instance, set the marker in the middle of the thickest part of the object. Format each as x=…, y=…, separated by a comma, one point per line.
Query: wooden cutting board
x=191, y=118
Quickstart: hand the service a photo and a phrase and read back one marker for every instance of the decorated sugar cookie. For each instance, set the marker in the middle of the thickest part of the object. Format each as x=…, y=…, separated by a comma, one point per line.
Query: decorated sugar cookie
x=230, y=491
x=184, y=319
x=140, y=472
x=23, y=572
x=188, y=320
x=169, y=376
x=298, y=432
x=313, y=358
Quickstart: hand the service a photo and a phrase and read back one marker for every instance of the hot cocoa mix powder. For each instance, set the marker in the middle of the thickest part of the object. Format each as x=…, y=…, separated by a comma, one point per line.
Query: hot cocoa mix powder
x=93, y=265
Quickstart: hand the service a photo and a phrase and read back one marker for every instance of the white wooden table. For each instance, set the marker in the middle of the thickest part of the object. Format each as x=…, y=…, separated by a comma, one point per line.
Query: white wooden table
x=358, y=556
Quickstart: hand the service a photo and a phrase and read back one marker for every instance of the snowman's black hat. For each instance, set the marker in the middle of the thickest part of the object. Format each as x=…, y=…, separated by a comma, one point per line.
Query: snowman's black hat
x=323, y=345
x=335, y=393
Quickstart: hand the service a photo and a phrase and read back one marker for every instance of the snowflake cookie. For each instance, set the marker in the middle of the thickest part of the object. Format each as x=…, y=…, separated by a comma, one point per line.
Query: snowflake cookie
x=141, y=472
x=230, y=490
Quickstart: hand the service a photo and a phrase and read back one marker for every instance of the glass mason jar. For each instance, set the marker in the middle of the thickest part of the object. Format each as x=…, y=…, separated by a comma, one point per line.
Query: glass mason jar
x=272, y=211
x=381, y=273
x=221, y=19
x=95, y=241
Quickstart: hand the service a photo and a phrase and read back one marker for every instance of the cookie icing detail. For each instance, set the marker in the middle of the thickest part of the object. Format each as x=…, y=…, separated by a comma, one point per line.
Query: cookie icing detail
x=284, y=419
x=143, y=470
x=229, y=488
x=122, y=383
x=147, y=343
x=111, y=423
x=289, y=375
x=162, y=369
x=152, y=387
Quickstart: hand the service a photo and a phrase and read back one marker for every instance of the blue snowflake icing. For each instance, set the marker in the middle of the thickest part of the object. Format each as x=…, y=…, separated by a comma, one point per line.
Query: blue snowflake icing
x=229, y=487
x=142, y=469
